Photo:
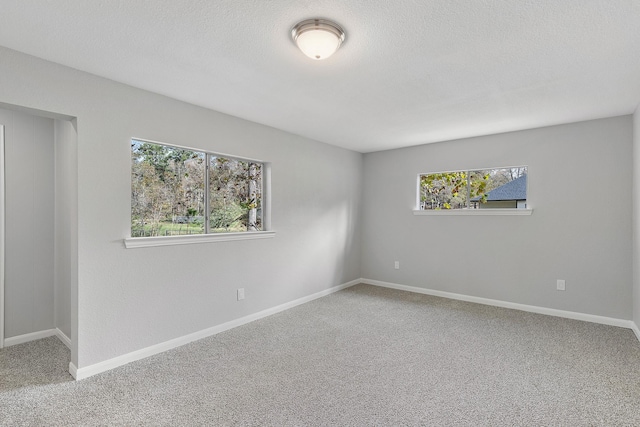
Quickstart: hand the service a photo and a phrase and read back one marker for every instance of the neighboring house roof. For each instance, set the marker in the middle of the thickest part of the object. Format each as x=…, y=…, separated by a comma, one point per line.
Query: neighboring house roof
x=512, y=190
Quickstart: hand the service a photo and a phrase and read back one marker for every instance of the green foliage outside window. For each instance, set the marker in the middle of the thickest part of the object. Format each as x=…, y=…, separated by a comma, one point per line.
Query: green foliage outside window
x=463, y=189
x=168, y=192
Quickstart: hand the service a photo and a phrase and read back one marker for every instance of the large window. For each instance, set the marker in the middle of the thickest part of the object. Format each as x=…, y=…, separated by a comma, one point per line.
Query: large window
x=179, y=191
x=474, y=189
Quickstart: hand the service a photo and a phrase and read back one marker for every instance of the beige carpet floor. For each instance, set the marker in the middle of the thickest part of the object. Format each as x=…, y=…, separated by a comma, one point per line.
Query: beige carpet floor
x=365, y=356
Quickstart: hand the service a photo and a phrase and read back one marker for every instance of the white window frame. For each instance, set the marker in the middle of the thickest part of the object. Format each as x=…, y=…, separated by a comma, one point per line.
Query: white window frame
x=472, y=212
x=207, y=236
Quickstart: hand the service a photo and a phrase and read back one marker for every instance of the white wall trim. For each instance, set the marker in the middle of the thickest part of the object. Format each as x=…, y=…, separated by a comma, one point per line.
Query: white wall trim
x=505, y=304
x=73, y=370
x=148, y=242
x=21, y=339
x=3, y=234
x=64, y=338
x=473, y=212
x=634, y=328
x=88, y=371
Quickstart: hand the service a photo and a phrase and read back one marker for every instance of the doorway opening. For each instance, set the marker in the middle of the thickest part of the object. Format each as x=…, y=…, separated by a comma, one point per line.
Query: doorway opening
x=38, y=227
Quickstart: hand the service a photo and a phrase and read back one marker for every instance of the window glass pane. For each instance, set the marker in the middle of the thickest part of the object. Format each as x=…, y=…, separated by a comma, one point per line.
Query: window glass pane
x=499, y=188
x=235, y=195
x=445, y=190
x=167, y=190
x=478, y=189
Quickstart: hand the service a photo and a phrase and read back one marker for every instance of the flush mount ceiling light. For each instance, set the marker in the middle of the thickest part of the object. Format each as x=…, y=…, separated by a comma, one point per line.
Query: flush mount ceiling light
x=318, y=38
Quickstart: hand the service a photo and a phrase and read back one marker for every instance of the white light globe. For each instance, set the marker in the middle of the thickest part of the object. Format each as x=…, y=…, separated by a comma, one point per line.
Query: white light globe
x=317, y=38
x=318, y=44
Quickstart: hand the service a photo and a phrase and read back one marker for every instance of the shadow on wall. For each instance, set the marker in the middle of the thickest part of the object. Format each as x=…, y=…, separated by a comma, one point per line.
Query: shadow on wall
x=327, y=246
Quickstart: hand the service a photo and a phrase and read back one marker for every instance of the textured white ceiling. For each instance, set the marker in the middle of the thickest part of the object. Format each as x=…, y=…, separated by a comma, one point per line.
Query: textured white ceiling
x=410, y=71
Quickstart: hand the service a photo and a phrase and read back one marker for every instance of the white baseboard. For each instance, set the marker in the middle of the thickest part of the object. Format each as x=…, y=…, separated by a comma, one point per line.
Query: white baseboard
x=515, y=306
x=635, y=330
x=21, y=339
x=73, y=370
x=65, y=339
x=88, y=371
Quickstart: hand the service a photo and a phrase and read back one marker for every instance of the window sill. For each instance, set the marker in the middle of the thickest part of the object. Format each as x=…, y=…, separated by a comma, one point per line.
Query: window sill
x=474, y=212
x=149, y=242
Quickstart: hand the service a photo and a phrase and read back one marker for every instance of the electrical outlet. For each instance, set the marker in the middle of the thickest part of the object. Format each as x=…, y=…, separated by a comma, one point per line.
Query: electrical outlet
x=560, y=285
x=397, y=265
x=240, y=294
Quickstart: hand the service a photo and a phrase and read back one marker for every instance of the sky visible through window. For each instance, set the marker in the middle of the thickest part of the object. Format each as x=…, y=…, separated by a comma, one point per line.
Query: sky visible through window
x=474, y=189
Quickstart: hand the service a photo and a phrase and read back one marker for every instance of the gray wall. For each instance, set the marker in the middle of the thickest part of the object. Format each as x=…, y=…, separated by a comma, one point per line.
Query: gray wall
x=65, y=267
x=124, y=300
x=580, y=190
x=129, y=299
x=636, y=217
x=29, y=240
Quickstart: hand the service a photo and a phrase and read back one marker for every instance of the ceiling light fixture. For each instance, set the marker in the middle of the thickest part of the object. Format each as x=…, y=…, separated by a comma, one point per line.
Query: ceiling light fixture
x=318, y=38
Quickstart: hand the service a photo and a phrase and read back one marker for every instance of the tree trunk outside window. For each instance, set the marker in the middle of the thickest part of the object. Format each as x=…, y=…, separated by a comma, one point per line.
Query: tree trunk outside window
x=253, y=199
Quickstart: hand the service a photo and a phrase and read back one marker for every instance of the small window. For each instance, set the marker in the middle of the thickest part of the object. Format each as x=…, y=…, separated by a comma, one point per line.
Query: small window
x=179, y=191
x=496, y=188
